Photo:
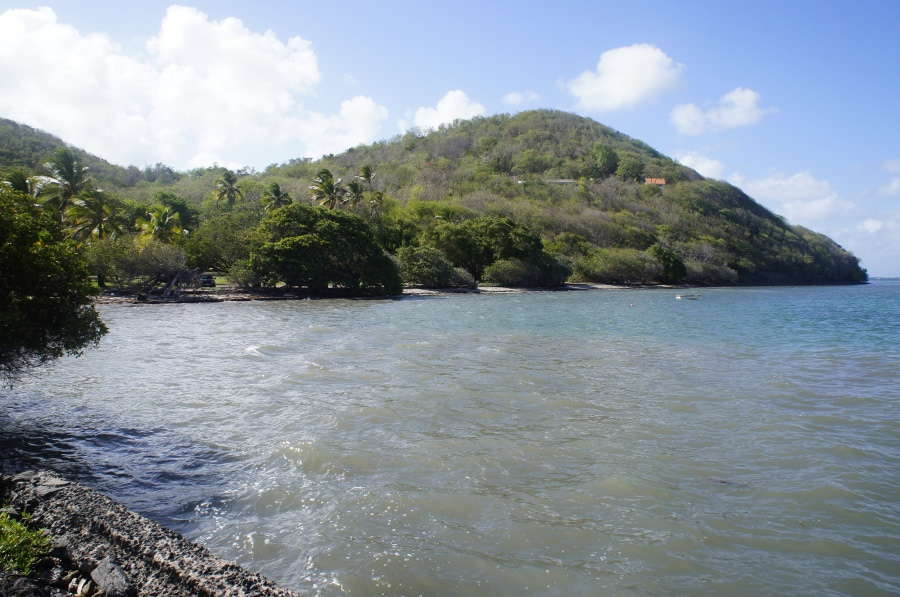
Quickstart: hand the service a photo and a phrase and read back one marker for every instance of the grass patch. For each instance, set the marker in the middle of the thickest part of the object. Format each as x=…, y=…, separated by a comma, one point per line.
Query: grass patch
x=21, y=547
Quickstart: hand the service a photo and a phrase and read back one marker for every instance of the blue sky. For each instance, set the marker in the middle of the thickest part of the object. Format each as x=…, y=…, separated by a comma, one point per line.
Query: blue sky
x=794, y=101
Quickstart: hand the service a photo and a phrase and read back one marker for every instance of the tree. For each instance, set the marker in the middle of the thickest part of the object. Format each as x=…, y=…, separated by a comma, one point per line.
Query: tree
x=326, y=191
x=475, y=244
x=186, y=214
x=227, y=190
x=94, y=212
x=160, y=223
x=354, y=193
x=315, y=248
x=19, y=181
x=606, y=160
x=618, y=266
x=221, y=241
x=45, y=291
x=274, y=197
x=630, y=168
x=69, y=176
x=367, y=176
x=673, y=268
x=426, y=266
x=531, y=161
x=542, y=270
x=376, y=204
x=131, y=266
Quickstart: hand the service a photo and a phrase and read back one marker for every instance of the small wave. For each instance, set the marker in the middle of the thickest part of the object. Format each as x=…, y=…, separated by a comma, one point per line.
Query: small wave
x=265, y=350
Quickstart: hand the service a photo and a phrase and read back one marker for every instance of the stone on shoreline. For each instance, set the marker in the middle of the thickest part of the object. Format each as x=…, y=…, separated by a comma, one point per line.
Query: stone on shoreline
x=100, y=545
x=111, y=579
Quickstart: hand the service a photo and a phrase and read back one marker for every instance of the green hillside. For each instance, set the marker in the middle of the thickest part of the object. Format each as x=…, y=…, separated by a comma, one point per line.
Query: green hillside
x=580, y=186
x=541, y=195
x=22, y=146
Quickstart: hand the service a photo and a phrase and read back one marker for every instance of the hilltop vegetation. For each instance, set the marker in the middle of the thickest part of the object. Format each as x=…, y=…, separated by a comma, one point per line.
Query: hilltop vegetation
x=530, y=200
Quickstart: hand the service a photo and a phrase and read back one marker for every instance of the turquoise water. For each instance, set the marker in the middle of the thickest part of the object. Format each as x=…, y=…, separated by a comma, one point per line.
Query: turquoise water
x=599, y=442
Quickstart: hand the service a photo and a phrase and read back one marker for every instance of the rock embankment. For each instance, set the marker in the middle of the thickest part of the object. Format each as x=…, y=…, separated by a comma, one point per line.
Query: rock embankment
x=101, y=548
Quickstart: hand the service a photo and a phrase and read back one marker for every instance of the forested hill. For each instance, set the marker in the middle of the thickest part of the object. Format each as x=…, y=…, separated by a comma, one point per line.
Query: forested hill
x=25, y=147
x=604, y=207
x=582, y=187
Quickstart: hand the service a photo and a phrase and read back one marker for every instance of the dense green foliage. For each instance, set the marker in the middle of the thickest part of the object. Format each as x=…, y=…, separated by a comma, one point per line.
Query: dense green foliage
x=425, y=266
x=317, y=249
x=22, y=146
x=21, y=547
x=45, y=292
x=556, y=173
x=128, y=265
x=524, y=200
x=477, y=244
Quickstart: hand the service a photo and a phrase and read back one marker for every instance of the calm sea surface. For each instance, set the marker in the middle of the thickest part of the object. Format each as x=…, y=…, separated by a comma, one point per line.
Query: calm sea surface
x=581, y=443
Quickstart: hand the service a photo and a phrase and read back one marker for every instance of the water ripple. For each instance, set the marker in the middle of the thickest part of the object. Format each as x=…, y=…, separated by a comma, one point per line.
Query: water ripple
x=551, y=443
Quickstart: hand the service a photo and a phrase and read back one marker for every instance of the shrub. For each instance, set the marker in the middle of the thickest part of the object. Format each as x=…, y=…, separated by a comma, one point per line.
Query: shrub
x=544, y=270
x=699, y=272
x=21, y=548
x=462, y=279
x=426, y=266
x=513, y=272
x=129, y=266
x=241, y=274
x=618, y=266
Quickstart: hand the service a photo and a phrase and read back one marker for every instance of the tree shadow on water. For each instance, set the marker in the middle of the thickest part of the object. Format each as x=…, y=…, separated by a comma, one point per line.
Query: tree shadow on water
x=155, y=472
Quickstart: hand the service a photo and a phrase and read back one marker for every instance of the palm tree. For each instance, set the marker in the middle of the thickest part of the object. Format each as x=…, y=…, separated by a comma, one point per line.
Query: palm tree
x=70, y=178
x=19, y=181
x=226, y=189
x=275, y=198
x=94, y=212
x=327, y=190
x=161, y=223
x=354, y=193
x=376, y=203
x=367, y=176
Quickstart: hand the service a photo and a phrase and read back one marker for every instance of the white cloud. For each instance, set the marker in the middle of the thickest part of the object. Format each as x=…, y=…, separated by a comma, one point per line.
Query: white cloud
x=202, y=91
x=891, y=189
x=871, y=226
x=359, y=119
x=626, y=77
x=876, y=240
x=515, y=98
x=708, y=167
x=870, y=230
x=739, y=107
x=454, y=105
x=801, y=198
x=892, y=166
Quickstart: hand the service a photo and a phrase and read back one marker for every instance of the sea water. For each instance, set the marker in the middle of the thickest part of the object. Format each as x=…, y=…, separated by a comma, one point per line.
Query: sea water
x=550, y=443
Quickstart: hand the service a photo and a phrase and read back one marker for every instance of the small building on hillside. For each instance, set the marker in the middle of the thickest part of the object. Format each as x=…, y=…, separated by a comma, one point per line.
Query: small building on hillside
x=660, y=182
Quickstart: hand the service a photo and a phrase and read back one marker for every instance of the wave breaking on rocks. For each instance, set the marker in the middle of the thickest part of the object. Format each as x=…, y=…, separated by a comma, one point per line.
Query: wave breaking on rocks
x=101, y=548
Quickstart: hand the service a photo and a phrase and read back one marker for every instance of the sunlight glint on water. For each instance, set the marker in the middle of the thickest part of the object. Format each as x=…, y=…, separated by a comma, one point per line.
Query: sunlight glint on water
x=614, y=442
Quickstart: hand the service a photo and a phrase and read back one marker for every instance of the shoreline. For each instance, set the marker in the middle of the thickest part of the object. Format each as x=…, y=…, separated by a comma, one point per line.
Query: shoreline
x=99, y=546
x=229, y=293
x=226, y=293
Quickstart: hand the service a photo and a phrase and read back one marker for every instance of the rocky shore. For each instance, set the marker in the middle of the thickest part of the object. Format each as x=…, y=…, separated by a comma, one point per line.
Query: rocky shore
x=103, y=549
x=229, y=293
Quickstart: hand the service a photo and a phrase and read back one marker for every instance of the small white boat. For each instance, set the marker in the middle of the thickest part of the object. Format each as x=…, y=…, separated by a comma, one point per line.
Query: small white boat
x=692, y=297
